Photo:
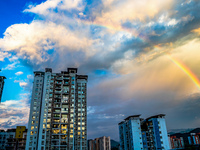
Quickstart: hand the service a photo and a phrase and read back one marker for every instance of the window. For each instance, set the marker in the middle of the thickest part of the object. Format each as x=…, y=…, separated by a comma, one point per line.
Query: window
x=31, y=132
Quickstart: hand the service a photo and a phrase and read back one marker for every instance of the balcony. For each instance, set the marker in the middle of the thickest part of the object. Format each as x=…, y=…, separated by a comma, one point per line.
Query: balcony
x=58, y=87
x=56, y=111
x=60, y=78
x=65, y=92
x=57, y=92
x=58, y=83
x=57, y=97
x=66, y=83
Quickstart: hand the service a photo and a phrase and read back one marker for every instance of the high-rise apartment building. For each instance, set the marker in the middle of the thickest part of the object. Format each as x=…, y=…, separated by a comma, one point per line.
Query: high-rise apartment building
x=58, y=112
x=149, y=134
x=156, y=132
x=1, y=86
x=130, y=133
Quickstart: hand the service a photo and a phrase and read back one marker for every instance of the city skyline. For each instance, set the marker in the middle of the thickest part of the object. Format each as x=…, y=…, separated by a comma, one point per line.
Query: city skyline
x=140, y=57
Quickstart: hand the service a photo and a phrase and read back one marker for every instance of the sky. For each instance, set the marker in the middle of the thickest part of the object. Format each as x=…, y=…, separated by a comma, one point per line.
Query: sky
x=142, y=57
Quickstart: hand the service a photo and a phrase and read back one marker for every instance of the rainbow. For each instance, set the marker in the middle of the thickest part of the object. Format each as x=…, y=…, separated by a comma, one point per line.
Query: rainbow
x=187, y=71
x=118, y=28
x=135, y=33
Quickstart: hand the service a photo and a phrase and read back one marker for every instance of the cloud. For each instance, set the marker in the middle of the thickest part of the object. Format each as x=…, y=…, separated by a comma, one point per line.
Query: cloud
x=196, y=31
x=4, y=55
x=26, y=84
x=19, y=73
x=130, y=10
x=14, y=112
x=34, y=41
x=48, y=6
x=10, y=66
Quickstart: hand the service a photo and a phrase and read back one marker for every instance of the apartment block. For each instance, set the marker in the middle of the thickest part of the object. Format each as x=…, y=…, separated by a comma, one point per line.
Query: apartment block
x=101, y=143
x=130, y=133
x=2, y=78
x=143, y=134
x=186, y=140
x=156, y=132
x=58, y=113
x=13, y=139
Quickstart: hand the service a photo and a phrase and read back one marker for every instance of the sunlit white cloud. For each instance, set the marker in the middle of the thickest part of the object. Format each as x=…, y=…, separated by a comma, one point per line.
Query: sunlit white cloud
x=48, y=6
x=33, y=41
x=19, y=73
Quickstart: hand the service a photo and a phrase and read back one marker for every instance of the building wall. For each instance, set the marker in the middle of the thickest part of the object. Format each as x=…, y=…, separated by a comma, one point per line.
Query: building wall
x=130, y=134
x=35, y=112
x=19, y=132
x=136, y=135
x=10, y=139
x=62, y=117
x=101, y=143
x=163, y=133
x=1, y=86
x=3, y=137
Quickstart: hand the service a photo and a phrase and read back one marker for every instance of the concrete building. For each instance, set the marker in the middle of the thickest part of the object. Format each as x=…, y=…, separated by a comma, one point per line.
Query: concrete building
x=138, y=134
x=176, y=143
x=58, y=112
x=2, y=78
x=13, y=139
x=3, y=137
x=186, y=140
x=156, y=132
x=101, y=143
x=130, y=133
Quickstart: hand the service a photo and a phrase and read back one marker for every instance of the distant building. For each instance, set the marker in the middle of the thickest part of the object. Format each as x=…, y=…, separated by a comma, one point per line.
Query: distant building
x=3, y=138
x=91, y=144
x=136, y=133
x=176, y=143
x=1, y=86
x=102, y=143
x=13, y=139
x=58, y=112
x=186, y=140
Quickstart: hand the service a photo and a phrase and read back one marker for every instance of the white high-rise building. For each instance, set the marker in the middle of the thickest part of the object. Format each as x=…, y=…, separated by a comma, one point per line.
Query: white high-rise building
x=58, y=113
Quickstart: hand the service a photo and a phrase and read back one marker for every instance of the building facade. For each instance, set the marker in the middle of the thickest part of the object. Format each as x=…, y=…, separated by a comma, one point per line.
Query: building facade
x=156, y=132
x=2, y=78
x=58, y=113
x=13, y=139
x=130, y=133
x=138, y=134
x=101, y=143
x=185, y=140
x=3, y=139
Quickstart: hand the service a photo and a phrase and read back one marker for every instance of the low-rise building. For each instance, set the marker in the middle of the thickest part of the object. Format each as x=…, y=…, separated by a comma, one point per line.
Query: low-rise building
x=185, y=140
x=13, y=139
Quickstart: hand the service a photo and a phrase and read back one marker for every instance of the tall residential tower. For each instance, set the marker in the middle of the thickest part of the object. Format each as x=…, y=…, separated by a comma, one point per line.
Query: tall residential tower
x=58, y=113
x=1, y=85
